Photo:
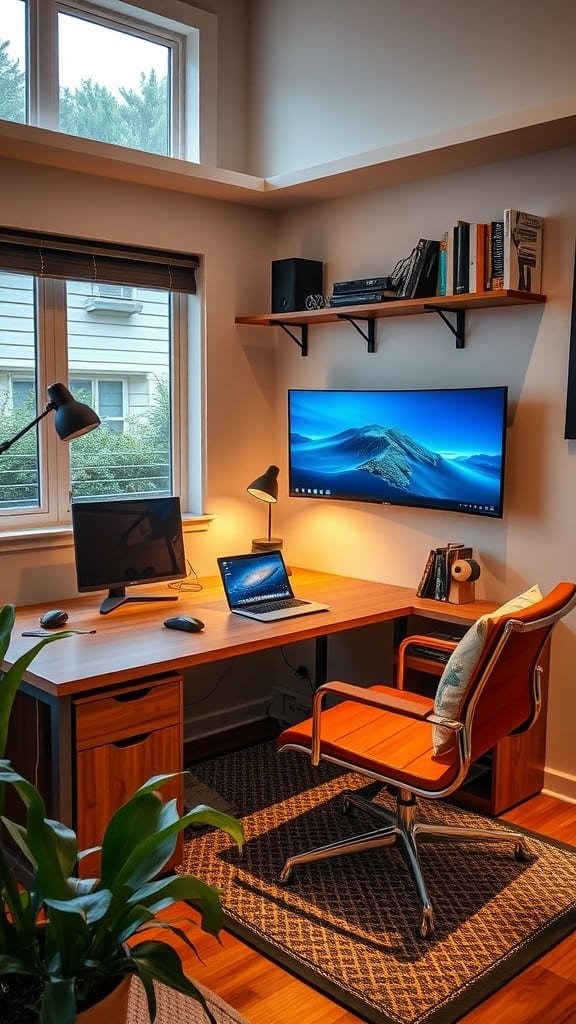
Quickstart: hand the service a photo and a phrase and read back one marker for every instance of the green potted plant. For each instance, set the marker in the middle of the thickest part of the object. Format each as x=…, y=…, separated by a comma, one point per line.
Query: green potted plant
x=63, y=940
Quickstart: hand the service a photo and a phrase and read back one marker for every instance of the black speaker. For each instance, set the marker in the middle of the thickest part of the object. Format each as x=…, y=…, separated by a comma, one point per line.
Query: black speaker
x=293, y=281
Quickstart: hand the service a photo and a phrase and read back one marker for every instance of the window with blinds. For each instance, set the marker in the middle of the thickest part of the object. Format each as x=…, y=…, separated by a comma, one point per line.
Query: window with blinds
x=116, y=318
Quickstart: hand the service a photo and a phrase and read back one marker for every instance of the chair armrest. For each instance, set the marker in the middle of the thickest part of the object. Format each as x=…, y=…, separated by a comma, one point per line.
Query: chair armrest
x=423, y=641
x=409, y=704
x=402, y=703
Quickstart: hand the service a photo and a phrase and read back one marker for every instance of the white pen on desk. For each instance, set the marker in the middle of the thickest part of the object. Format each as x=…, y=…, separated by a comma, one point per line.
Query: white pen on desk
x=42, y=632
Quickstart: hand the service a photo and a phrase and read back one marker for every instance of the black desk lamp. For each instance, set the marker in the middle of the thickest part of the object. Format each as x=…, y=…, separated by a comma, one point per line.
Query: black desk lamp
x=72, y=418
x=265, y=487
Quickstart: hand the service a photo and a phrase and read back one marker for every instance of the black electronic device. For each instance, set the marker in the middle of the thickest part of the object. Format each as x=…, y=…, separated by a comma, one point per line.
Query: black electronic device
x=435, y=449
x=293, y=281
x=54, y=618
x=186, y=623
x=127, y=542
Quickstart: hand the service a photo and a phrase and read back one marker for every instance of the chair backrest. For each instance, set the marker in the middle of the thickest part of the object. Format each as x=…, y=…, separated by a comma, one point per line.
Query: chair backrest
x=503, y=693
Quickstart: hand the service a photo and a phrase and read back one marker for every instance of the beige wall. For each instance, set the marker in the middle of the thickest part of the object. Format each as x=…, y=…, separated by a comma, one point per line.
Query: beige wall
x=523, y=348
x=333, y=78
x=236, y=242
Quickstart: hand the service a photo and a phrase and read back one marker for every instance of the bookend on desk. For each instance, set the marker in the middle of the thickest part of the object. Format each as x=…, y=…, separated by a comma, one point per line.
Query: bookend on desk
x=449, y=574
x=464, y=573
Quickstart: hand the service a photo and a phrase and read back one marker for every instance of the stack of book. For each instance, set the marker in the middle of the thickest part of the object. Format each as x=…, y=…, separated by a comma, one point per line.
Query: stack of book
x=436, y=576
x=504, y=253
x=363, y=290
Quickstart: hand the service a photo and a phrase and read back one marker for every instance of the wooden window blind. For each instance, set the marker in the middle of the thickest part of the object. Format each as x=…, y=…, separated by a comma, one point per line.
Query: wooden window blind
x=76, y=259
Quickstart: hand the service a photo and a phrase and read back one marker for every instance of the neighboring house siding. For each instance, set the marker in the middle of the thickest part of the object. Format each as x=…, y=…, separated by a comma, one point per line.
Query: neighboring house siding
x=102, y=343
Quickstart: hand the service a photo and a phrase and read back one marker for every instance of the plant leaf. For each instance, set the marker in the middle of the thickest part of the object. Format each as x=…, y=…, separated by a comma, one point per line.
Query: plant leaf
x=165, y=891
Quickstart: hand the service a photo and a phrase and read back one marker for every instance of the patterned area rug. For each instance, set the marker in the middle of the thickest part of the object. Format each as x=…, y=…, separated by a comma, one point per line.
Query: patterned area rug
x=174, y=1008
x=349, y=925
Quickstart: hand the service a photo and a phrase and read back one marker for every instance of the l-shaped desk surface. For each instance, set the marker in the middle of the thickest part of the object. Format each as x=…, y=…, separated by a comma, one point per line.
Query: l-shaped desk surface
x=131, y=646
x=131, y=642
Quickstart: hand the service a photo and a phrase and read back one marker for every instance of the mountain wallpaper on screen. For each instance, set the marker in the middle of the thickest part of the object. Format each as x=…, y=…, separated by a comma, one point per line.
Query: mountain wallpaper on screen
x=441, y=449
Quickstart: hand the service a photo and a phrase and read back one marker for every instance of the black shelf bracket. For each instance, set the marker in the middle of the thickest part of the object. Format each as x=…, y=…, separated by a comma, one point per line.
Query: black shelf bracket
x=369, y=335
x=459, y=329
x=301, y=341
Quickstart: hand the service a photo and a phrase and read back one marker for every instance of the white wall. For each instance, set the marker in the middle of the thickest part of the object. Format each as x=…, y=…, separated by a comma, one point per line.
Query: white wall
x=332, y=78
x=525, y=348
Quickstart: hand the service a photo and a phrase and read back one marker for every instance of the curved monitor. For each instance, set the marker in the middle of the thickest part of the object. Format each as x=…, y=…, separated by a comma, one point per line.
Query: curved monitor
x=436, y=449
x=127, y=542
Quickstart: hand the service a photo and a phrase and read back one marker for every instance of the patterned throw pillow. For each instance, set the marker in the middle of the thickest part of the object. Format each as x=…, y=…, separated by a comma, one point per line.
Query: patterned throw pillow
x=454, y=680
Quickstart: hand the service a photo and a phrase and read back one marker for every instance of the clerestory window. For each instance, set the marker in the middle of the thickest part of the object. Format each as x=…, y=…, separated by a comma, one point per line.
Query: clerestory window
x=105, y=71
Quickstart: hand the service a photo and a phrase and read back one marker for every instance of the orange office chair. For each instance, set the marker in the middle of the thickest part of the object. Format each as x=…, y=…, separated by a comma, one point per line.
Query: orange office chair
x=422, y=747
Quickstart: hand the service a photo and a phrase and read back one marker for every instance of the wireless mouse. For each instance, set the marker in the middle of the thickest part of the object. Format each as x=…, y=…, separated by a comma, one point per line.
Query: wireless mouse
x=184, y=622
x=54, y=618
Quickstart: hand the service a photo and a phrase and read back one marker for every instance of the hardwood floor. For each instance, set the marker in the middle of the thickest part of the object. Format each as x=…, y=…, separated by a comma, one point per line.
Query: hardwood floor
x=544, y=993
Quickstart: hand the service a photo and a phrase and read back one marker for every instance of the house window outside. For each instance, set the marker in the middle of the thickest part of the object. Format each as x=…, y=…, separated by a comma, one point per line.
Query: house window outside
x=100, y=73
x=122, y=367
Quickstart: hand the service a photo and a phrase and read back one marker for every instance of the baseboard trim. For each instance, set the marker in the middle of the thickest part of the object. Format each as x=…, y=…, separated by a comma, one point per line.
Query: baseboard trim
x=560, y=785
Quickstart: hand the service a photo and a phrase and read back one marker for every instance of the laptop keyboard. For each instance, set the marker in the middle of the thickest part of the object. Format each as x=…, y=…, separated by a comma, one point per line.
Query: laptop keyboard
x=275, y=606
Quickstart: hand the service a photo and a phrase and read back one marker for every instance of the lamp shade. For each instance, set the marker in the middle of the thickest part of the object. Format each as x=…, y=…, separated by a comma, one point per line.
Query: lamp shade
x=265, y=487
x=72, y=418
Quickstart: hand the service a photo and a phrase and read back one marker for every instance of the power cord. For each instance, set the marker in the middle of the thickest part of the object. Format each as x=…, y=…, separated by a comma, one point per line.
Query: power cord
x=190, y=583
x=220, y=678
x=300, y=671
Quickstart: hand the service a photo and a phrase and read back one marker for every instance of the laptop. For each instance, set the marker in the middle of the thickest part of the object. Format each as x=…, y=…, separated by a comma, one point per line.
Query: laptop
x=257, y=585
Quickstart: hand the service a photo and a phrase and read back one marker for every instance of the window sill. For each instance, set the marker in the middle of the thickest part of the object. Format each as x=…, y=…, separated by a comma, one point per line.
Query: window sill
x=44, y=537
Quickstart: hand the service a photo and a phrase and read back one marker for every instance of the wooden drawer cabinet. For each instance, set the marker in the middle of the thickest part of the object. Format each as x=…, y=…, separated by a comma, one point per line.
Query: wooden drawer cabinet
x=122, y=739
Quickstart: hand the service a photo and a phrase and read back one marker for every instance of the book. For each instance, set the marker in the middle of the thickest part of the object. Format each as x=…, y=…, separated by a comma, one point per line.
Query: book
x=426, y=574
x=461, y=257
x=522, y=245
x=497, y=250
x=422, y=278
x=442, y=268
x=364, y=284
x=450, y=262
x=477, y=258
x=357, y=298
x=488, y=258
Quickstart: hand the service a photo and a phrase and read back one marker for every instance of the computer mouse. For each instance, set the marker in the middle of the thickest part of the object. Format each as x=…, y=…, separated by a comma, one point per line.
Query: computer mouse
x=186, y=623
x=54, y=618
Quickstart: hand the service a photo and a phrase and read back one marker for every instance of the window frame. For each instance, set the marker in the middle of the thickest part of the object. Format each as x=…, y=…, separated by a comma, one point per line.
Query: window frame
x=52, y=365
x=191, y=33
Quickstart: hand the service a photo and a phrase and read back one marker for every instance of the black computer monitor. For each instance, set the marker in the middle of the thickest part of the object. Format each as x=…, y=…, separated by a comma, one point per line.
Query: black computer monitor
x=126, y=543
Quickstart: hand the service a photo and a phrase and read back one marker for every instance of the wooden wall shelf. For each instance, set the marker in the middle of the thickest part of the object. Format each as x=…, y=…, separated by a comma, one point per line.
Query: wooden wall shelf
x=442, y=305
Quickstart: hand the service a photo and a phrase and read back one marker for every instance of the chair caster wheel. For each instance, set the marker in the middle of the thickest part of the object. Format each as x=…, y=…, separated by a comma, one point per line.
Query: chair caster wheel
x=426, y=929
x=522, y=853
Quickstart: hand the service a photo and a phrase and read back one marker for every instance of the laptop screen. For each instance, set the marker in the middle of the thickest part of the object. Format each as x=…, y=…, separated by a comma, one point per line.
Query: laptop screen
x=260, y=576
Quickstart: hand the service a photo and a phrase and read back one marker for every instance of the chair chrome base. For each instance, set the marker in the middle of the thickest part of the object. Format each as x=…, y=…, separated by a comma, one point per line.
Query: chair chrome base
x=401, y=828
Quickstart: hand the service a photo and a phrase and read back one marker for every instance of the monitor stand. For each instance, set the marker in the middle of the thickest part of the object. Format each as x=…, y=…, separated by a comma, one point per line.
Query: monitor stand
x=117, y=596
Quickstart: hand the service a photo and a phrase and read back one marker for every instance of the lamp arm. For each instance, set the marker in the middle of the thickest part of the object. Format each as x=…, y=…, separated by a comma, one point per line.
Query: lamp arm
x=269, y=520
x=5, y=445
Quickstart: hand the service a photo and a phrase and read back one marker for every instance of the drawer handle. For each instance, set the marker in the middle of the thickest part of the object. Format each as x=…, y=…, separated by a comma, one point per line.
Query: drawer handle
x=131, y=741
x=124, y=698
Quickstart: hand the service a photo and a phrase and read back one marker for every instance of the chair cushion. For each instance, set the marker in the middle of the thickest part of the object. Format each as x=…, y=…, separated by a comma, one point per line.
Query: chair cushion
x=380, y=743
x=453, y=684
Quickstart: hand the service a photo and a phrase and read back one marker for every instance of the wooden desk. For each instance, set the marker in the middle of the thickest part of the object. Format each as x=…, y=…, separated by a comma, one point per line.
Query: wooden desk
x=82, y=680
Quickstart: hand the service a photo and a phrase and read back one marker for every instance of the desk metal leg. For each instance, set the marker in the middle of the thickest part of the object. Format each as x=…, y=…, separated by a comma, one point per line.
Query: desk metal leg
x=62, y=761
x=321, y=660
